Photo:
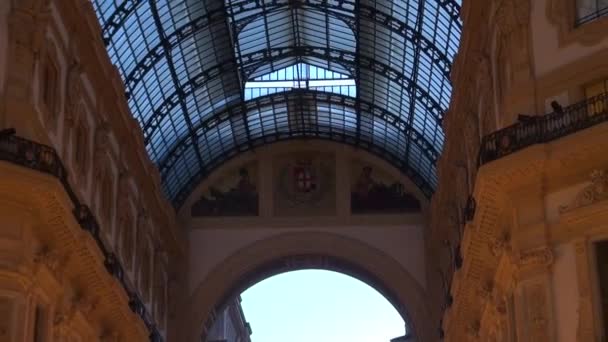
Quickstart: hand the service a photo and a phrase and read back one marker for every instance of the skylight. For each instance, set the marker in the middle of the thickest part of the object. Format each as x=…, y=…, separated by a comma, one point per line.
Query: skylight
x=300, y=76
x=207, y=80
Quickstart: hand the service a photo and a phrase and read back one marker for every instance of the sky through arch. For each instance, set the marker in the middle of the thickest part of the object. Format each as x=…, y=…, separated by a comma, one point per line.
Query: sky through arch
x=319, y=306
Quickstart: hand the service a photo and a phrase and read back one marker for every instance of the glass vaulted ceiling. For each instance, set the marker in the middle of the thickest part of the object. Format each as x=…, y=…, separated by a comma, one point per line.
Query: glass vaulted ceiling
x=186, y=63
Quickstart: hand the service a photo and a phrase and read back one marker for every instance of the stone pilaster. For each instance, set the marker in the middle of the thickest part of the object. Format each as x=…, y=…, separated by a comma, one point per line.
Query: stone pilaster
x=586, y=323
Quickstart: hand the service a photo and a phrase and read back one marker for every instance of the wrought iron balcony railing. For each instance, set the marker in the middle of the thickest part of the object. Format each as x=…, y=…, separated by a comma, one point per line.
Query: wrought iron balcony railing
x=45, y=159
x=542, y=129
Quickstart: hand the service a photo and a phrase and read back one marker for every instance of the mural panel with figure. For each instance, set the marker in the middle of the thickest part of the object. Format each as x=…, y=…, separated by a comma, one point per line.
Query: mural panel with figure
x=375, y=192
x=234, y=195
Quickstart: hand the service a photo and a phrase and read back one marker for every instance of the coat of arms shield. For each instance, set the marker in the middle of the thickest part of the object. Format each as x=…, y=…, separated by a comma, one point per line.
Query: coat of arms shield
x=302, y=181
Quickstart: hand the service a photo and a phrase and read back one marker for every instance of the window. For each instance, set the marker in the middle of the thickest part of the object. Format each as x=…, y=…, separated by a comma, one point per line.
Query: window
x=39, y=324
x=126, y=230
x=107, y=198
x=596, y=95
x=589, y=10
x=49, y=88
x=81, y=147
x=145, y=270
x=601, y=254
x=300, y=76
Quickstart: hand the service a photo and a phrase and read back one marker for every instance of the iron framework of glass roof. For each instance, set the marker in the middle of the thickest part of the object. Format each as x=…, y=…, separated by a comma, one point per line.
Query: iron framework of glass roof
x=186, y=65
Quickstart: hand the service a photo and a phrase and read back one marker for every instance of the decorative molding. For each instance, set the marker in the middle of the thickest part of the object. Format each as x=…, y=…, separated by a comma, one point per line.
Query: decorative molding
x=536, y=321
x=595, y=192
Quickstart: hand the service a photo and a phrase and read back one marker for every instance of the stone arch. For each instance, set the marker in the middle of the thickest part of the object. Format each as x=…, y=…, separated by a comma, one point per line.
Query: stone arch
x=307, y=250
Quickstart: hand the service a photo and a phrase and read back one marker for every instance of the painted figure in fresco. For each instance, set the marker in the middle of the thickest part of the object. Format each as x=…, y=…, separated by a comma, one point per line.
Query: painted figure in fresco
x=245, y=186
x=365, y=182
x=370, y=196
x=241, y=200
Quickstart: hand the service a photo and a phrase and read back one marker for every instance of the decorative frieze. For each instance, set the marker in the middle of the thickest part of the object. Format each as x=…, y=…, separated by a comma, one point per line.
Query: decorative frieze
x=590, y=194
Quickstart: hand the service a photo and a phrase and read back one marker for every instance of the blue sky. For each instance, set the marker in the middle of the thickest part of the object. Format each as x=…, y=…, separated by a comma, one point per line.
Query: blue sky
x=319, y=306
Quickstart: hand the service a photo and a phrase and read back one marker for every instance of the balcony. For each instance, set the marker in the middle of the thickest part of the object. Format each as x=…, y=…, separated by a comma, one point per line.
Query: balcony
x=42, y=158
x=542, y=129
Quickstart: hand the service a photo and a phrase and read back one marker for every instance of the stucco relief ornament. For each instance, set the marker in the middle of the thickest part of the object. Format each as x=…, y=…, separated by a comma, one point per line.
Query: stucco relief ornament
x=51, y=259
x=485, y=291
x=536, y=257
x=500, y=244
x=109, y=336
x=595, y=192
x=85, y=304
x=473, y=329
x=500, y=303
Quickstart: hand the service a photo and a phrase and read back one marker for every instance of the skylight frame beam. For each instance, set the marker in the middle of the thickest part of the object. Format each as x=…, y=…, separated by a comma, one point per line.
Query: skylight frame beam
x=187, y=30
x=175, y=79
x=339, y=56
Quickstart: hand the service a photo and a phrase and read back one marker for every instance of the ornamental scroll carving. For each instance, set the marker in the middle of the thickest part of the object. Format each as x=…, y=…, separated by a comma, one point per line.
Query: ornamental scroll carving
x=595, y=192
x=536, y=257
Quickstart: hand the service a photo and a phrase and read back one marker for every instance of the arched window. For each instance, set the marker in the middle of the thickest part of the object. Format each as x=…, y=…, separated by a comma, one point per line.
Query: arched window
x=81, y=146
x=160, y=294
x=300, y=76
x=125, y=233
x=49, y=85
x=107, y=199
x=145, y=271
